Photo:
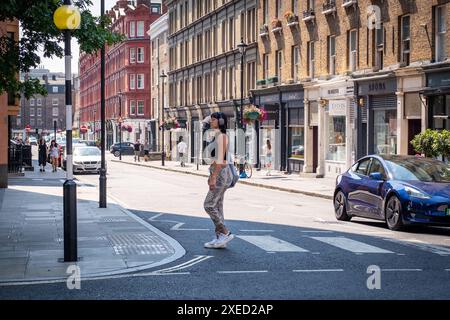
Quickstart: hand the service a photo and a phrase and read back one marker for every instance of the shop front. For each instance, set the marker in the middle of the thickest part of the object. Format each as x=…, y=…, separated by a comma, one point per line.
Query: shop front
x=437, y=95
x=295, y=108
x=269, y=128
x=337, y=127
x=378, y=101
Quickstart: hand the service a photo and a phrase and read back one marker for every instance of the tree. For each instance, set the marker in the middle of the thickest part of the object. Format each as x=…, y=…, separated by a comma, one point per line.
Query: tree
x=39, y=32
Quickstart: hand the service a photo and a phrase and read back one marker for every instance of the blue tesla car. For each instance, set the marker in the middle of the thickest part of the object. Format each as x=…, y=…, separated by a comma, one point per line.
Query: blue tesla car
x=401, y=190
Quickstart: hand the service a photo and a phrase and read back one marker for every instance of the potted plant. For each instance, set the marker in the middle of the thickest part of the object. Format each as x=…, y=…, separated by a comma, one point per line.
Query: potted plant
x=290, y=17
x=253, y=113
x=432, y=143
x=276, y=23
x=264, y=30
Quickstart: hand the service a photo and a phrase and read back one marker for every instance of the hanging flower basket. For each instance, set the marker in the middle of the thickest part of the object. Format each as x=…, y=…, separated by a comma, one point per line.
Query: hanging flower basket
x=130, y=128
x=253, y=113
x=170, y=123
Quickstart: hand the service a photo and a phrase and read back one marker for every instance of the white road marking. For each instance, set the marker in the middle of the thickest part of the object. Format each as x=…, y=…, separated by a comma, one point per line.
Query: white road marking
x=320, y=270
x=395, y=270
x=248, y=271
x=414, y=243
x=318, y=231
x=37, y=179
x=20, y=283
x=178, y=226
x=256, y=230
x=185, y=265
x=269, y=243
x=351, y=245
x=155, y=216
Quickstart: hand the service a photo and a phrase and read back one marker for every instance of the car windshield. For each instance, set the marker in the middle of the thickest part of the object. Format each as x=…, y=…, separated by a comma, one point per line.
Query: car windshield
x=86, y=152
x=419, y=169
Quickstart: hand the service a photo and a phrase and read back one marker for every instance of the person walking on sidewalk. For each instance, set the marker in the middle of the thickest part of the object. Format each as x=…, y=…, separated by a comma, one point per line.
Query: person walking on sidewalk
x=146, y=150
x=137, y=151
x=54, y=155
x=219, y=181
x=42, y=155
x=182, y=150
x=268, y=157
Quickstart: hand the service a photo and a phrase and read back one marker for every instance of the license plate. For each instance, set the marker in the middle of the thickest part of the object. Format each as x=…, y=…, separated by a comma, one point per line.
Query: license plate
x=447, y=212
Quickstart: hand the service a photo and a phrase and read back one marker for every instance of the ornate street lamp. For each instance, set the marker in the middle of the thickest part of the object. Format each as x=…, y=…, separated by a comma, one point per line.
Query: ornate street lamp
x=242, y=48
x=163, y=77
x=67, y=18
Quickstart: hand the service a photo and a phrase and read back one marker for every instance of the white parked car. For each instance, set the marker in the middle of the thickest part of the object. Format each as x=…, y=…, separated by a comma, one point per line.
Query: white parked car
x=85, y=159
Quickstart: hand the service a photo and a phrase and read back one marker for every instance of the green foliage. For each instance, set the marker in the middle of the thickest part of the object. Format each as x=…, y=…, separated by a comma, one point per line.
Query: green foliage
x=432, y=143
x=40, y=33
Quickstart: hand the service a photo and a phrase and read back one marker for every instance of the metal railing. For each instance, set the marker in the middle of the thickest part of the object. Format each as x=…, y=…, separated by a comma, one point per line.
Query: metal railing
x=15, y=158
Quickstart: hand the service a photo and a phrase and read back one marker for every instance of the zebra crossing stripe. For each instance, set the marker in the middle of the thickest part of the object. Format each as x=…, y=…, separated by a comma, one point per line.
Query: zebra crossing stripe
x=443, y=251
x=272, y=244
x=351, y=245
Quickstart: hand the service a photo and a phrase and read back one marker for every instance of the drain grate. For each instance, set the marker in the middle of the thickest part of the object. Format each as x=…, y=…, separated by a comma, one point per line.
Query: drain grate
x=115, y=220
x=138, y=244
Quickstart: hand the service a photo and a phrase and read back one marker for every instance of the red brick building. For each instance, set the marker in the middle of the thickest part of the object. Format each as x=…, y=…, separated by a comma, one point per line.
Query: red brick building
x=127, y=71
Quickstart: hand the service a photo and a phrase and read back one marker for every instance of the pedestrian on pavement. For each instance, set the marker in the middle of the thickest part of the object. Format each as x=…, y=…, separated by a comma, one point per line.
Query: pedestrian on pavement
x=54, y=155
x=268, y=157
x=146, y=150
x=42, y=155
x=137, y=151
x=182, y=150
x=219, y=181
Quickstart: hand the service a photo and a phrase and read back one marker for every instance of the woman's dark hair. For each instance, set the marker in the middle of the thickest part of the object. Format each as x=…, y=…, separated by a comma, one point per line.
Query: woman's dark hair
x=222, y=124
x=268, y=144
x=180, y=139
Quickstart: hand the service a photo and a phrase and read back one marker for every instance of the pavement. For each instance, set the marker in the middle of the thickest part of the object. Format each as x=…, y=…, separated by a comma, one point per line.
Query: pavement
x=294, y=183
x=111, y=241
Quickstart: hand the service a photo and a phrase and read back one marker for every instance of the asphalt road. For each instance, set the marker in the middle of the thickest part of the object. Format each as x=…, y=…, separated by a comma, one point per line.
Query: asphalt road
x=288, y=246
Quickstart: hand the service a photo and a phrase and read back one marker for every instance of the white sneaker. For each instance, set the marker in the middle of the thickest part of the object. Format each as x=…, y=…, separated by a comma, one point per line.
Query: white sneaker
x=212, y=243
x=224, y=239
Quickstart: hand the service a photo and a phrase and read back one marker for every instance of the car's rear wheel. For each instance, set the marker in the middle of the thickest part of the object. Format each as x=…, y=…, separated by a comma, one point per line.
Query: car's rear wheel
x=340, y=207
x=116, y=154
x=393, y=213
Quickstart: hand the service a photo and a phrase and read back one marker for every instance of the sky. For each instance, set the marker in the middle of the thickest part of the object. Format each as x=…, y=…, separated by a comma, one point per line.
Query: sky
x=57, y=65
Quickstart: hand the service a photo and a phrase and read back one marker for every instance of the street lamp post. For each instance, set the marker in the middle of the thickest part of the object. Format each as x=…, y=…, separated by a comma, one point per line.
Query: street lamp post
x=67, y=18
x=102, y=200
x=120, y=125
x=163, y=76
x=242, y=48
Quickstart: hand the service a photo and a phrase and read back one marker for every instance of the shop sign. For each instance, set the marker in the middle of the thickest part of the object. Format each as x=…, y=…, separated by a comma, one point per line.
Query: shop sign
x=438, y=80
x=294, y=96
x=381, y=86
x=337, y=108
x=269, y=99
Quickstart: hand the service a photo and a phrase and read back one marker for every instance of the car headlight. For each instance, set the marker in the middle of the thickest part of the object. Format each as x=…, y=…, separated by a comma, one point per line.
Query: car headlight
x=416, y=193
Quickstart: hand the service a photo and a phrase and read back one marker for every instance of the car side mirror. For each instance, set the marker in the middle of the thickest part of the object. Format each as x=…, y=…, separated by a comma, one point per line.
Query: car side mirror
x=376, y=176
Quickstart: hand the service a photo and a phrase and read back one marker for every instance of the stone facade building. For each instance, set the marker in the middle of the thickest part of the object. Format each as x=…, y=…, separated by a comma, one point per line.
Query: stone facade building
x=127, y=75
x=205, y=63
x=346, y=78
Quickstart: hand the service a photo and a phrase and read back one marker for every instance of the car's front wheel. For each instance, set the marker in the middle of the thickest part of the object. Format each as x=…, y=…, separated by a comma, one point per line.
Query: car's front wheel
x=116, y=154
x=393, y=214
x=340, y=207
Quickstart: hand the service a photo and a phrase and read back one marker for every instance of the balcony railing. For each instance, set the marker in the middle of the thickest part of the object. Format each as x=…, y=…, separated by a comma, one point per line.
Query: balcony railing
x=329, y=7
x=292, y=21
x=349, y=3
x=309, y=15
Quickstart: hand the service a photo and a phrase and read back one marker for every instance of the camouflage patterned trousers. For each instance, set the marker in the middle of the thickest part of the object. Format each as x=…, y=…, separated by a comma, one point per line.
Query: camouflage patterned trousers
x=214, y=199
